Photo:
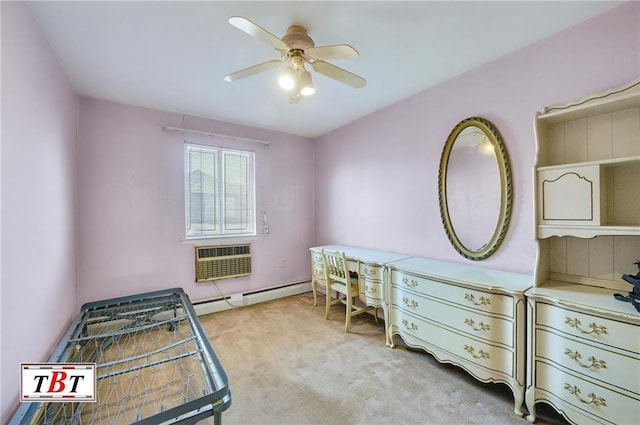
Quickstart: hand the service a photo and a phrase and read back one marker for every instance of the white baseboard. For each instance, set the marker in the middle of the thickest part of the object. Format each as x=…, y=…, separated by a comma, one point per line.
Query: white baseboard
x=236, y=300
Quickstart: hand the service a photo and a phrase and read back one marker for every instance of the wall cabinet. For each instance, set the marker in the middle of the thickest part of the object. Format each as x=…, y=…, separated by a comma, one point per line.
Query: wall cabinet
x=583, y=345
x=588, y=166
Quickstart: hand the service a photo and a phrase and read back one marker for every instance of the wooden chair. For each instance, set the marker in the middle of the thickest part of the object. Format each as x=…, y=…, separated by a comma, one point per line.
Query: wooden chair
x=338, y=280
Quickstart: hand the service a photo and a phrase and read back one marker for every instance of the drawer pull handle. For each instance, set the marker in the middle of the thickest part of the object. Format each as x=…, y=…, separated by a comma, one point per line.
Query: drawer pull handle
x=369, y=272
x=482, y=327
x=593, y=399
x=595, y=329
x=410, y=327
x=413, y=304
x=472, y=299
x=370, y=290
x=410, y=283
x=595, y=363
x=481, y=354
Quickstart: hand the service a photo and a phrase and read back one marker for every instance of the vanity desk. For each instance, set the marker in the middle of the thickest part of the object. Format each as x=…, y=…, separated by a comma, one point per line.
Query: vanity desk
x=465, y=315
x=370, y=266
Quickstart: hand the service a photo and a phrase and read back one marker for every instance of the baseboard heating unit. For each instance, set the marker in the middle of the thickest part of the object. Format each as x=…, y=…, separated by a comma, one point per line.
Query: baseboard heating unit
x=230, y=301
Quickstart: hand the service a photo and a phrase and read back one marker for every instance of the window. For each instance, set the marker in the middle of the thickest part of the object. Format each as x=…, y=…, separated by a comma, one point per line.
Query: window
x=219, y=192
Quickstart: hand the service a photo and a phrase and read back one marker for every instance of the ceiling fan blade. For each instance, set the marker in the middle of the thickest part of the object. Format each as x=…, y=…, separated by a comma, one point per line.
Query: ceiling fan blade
x=338, y=51
x=247, y=72
x=258, y=32
x=339, y=74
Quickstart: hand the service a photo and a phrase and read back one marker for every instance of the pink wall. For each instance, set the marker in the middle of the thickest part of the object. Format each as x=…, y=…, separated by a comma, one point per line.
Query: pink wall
x=126, y=178
x=39, y=120
x=382, y=192
x=131, y=204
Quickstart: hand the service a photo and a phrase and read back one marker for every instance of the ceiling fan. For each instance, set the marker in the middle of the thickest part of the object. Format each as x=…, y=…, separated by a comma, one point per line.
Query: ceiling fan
x=296, y=49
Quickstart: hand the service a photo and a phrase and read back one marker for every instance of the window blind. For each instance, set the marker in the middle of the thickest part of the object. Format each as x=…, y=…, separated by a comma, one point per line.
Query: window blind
x=219, y=192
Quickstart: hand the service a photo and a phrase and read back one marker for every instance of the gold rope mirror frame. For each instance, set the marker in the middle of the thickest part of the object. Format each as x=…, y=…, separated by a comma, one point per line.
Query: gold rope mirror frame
x=490, y=134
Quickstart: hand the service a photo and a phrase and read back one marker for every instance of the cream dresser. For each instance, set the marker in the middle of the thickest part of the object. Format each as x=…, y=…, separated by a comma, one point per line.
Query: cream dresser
x=583, y=345
x=464, y=315
x=585, y=354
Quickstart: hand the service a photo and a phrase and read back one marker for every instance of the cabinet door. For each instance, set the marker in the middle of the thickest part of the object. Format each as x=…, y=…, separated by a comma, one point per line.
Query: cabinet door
x=570, y=195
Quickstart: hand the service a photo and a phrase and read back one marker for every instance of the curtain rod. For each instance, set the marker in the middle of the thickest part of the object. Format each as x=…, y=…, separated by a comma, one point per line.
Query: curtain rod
x=206, y=133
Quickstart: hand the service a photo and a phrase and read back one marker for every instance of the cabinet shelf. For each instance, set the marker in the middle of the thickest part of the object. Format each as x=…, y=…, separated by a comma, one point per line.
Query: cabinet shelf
x=610, y=101
x=580, y=231
x=603, y=162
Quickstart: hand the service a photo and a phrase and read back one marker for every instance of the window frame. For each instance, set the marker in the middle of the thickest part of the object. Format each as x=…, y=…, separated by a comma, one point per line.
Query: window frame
x=219, y=187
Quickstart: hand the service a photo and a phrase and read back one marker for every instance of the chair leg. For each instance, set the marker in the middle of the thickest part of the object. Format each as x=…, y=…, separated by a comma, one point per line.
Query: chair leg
x=347, y=323
x=327, y=306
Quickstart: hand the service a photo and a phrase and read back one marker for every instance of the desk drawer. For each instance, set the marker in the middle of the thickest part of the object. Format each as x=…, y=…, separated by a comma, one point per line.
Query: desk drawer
x=468, y=349
x=479, y=300
x=583, y=358
x=608, y=405
x=371, y=272
x=371, y=290
x=316, y=257
x=477, y=324
x=371, y=283
x=592, y=328
x=318, y=271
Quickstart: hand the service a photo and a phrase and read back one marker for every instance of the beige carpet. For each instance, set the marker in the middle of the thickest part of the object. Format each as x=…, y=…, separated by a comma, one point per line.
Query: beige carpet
x=287, y=365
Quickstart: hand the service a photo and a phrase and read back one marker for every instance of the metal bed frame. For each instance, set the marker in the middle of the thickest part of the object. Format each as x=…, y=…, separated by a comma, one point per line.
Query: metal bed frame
x=154, y=365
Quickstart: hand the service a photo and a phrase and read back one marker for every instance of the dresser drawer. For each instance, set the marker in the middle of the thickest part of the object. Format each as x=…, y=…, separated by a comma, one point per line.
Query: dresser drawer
x=491, y=329
x=596, y=363
x=471, y=350
x=592, y=328
x=480, y=300
x=608, y=405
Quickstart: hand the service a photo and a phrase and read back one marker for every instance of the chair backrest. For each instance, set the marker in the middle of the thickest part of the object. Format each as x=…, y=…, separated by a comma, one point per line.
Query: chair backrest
x=336, y=266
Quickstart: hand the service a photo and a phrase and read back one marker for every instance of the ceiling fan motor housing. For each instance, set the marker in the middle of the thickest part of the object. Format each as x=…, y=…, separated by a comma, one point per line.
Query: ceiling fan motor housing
x=297, y=38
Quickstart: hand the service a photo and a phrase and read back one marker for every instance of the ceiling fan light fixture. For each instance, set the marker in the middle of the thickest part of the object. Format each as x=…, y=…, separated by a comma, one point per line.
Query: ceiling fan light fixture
x=306, y=85
x=288, y=79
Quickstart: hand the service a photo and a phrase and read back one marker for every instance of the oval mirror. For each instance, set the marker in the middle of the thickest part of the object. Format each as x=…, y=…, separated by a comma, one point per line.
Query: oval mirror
x=475, y=188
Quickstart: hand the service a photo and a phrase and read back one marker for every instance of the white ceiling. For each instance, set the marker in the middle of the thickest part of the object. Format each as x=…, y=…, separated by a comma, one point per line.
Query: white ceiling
x=173, y=56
